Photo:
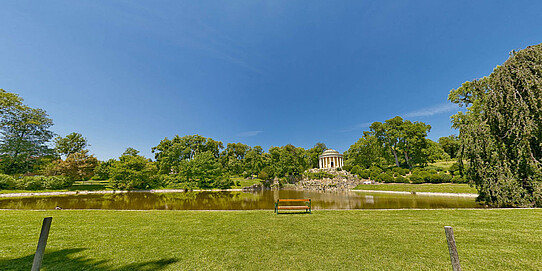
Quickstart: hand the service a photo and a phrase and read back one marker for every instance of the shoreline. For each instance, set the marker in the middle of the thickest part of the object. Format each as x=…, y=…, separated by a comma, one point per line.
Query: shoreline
x=418, y=193
x=85, y=192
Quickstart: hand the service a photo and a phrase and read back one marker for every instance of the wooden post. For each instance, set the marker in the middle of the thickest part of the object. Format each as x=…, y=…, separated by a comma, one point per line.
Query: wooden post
x=36, y=265
x=452, y=248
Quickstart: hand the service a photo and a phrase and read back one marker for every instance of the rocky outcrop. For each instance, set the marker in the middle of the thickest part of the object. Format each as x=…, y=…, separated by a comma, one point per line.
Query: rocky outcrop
x=334, y=181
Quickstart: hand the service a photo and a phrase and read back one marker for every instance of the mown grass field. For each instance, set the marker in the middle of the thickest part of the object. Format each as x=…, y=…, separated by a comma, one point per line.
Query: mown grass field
x=491, y=239
x=426, y=187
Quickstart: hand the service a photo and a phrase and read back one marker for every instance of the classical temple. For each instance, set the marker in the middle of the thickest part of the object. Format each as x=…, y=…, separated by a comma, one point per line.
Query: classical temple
x=331, y=159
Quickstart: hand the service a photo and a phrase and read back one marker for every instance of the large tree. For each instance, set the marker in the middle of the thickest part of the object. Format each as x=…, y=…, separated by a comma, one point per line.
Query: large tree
x=314, y=154
x=367, y=151
x=25, y=133
x=450, y=144
x=501, y=130
x=72, y=143
x=171, y=153
x=403, y=137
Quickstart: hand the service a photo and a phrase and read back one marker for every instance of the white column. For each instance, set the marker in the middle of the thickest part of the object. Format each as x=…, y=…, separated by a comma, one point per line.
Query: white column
x=319, y=162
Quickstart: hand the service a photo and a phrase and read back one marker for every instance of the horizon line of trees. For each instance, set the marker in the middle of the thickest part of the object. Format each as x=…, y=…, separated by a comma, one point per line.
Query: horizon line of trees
x=29, y=147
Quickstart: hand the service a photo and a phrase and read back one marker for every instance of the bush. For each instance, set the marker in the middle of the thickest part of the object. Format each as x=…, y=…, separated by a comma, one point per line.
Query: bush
x=7, y=182
x=57, y=182
x=416, y=178
x=356, y=170
x=401, y=179
x=373, y=175
x=459, y=179
x=224, y=183
x=385, y=178
x=435, y=178
x=446, y=178
x=364, y=174
x=454, y=169
x=30, y=183
x=348, y=168
x=435, y=168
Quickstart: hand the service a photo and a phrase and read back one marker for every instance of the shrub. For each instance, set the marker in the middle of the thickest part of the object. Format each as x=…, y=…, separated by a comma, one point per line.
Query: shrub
x=401, y=179
x=7, y=182
x=348, y=168
x=446, y=178
x=459, y=179
x=386, y=178
x=373, y=175
x=454, y=169
x=57, y=182
x=435, y=178
x=356, y=170
x=416, y=178
x=364, y=174
x=30, y=183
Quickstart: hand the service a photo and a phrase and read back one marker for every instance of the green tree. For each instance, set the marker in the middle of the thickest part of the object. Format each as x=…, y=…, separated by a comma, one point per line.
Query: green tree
x=367, y=151
x=233, y=157
x=77, y=166
x=133, y=172
x=255, y=160
x=434, y=152
x=103, y=168
x=402, y=137
x=72, y=143
x=314, y=154
x=288, y=160
x=25, y=134
x=205, y=170
x=169, y=154
x=450, y=144
x=501, y=130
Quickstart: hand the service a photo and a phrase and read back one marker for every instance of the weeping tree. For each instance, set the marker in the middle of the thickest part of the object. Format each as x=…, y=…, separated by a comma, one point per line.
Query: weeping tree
x=501, y=131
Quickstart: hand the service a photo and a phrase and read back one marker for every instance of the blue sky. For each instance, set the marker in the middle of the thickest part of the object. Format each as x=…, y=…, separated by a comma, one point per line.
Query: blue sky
x=269, y=73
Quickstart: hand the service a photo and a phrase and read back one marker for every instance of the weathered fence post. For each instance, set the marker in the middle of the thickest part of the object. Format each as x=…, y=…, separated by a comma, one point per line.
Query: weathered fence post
x=36, y=265
x=452, y=248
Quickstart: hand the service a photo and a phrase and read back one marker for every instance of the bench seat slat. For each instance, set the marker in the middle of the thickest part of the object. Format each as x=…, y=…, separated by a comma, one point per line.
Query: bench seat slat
x=293, y=207
x=284, y=200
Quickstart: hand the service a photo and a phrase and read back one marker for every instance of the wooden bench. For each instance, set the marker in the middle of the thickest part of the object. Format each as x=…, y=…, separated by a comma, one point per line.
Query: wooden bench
x=305, y=207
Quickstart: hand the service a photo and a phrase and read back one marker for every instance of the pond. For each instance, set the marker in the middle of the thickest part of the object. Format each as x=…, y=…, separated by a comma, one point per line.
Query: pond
x=229, y=200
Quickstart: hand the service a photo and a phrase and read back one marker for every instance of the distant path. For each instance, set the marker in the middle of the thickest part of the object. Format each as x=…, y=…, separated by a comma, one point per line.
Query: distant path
x=419, y=193
x=30, y=194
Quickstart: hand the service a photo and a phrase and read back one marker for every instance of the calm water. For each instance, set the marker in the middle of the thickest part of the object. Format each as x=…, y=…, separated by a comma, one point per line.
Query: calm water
x=235, y=201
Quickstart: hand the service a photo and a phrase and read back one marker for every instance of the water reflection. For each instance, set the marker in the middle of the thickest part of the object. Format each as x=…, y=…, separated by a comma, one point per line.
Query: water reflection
x=207, y=200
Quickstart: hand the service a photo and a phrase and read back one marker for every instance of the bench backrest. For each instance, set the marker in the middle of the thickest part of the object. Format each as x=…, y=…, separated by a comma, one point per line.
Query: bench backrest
x=292, y=200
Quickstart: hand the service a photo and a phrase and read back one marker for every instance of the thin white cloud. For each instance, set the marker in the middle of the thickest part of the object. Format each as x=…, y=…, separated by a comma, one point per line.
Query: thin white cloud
x=356, y=127
x=433, y=110
x=249, y=133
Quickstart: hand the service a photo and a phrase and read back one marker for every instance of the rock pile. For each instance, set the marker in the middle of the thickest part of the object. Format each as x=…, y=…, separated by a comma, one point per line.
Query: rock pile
x=342, y=181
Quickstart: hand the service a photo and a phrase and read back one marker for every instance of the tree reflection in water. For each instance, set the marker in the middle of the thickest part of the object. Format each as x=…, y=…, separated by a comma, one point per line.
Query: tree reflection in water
x=234, y=200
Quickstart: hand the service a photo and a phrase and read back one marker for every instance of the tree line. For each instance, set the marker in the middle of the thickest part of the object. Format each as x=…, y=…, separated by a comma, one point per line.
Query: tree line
x=29, y=147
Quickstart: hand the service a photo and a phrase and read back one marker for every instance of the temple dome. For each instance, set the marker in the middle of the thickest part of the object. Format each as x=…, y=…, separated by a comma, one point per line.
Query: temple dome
x=330, y=151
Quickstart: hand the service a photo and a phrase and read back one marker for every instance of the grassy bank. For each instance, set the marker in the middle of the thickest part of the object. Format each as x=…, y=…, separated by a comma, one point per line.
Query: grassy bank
x=426, y=187
x=90, y=185
x=505, y=239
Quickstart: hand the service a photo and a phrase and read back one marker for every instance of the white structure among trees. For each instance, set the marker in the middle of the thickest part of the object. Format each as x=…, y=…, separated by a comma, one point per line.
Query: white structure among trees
x=331, y=159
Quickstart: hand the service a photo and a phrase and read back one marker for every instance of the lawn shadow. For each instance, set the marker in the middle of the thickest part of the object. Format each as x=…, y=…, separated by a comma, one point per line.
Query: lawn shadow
x=65, y=260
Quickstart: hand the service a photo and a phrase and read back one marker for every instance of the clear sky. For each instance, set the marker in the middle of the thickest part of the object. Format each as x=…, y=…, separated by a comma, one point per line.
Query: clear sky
x=269, y=73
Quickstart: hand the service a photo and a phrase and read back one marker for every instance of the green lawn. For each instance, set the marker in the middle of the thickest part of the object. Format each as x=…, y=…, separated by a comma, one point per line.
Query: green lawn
x=443, y=164
x=244, y=182
x=490, y=239
x=90, y=185
x=426, y=187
